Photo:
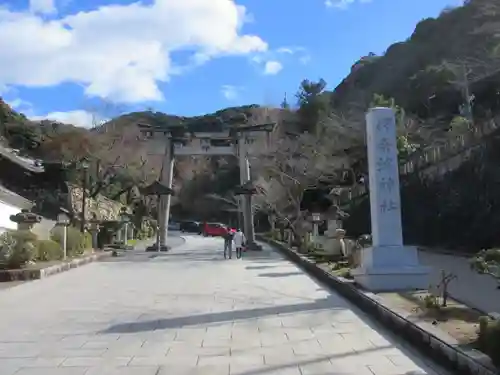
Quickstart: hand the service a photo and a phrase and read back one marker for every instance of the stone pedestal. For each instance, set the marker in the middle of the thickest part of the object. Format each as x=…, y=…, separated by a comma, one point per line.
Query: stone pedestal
x=331, y=241
x=388, y=264
x=94, y=232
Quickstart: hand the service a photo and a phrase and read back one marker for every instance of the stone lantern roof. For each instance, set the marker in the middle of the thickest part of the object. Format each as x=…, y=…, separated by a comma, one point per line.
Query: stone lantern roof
x=248, y=188
x=157, y=188
x=26, y=217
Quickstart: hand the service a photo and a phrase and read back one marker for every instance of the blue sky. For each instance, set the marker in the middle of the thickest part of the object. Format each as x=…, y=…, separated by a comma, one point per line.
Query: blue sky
x=70, y=58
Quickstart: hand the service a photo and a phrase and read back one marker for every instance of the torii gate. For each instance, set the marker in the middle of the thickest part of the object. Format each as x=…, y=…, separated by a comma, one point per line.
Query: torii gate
x=217, y=138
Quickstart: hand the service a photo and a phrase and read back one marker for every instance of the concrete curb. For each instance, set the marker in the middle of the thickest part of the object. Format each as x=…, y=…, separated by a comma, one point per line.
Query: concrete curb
x=460, y=361
x=25, y=274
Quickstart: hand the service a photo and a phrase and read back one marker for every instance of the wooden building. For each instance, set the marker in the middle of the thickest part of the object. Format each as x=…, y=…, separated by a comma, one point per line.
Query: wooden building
x=44, y=184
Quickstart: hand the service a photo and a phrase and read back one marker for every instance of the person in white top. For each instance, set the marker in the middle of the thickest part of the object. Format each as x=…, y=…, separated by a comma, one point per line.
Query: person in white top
x=239, y=241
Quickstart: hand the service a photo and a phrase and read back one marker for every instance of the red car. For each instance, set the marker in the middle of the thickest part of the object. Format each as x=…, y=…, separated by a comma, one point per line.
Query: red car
x=215, y=229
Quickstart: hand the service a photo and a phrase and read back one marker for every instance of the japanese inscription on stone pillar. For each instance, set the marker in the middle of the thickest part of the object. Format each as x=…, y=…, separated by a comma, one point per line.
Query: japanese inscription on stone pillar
x=384, y=178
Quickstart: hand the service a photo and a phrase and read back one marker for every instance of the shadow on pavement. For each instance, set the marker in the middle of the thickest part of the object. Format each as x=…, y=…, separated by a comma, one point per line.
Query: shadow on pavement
x=219, y=317
x=280, y=274
x=258, y=267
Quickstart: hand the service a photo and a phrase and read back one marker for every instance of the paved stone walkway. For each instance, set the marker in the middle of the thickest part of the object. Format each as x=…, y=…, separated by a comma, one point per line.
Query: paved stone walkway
x=192, y=312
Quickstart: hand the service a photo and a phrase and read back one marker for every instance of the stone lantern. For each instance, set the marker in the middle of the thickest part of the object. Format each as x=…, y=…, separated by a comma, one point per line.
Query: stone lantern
x=25, y=219
x=94, y=227
x=125, y=221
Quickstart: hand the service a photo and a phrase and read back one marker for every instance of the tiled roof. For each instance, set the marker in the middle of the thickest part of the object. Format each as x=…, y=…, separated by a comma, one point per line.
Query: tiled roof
x=14, y=199
x=23, y=162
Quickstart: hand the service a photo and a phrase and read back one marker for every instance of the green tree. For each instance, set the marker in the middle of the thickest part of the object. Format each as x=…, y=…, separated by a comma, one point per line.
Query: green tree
x=312, y=103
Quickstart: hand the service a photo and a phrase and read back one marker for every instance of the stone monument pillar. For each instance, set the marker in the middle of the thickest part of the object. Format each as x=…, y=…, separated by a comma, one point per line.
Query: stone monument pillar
x=388, y=264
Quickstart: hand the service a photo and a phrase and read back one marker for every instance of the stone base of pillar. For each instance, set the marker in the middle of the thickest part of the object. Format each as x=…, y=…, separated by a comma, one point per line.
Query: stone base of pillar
x=391, y=268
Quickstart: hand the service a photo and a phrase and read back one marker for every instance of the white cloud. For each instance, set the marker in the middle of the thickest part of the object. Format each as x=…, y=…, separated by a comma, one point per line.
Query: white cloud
x=120, y=52
x=77, y=117
x=272, y=67
x=342, y=4
x=19, y=104
x=272, y=62
x=43, y=6
x=230, y=92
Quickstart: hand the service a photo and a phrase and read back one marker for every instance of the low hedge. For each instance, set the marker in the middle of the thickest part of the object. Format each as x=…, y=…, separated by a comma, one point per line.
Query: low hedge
x=48, y=250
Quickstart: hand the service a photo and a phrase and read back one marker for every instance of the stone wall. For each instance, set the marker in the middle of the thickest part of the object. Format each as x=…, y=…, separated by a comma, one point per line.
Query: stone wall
x=105, y=208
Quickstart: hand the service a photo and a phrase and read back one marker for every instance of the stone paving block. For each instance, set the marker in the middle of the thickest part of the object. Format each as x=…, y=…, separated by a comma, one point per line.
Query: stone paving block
x=299, y=334
x=161, y=336
x=83, y=362
x=199, y=351
x=218, y=361
x=54, y=371
x=308, y=347
x=185, y=360
x=72, y=342
x=198, y=370
x=44, y=362
x=57, y=352
x=269, y=323
x=244, y=331
x=128, y=370
x=316, y=366
x=191, y=335
x=273, y=338
x=279, y=356
x=209, y=342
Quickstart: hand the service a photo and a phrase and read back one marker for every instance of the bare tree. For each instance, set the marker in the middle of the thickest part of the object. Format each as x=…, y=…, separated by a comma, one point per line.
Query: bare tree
x=288, y=168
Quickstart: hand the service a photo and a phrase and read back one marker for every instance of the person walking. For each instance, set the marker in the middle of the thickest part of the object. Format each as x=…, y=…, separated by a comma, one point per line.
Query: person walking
x=228, y=244
x=239, y=241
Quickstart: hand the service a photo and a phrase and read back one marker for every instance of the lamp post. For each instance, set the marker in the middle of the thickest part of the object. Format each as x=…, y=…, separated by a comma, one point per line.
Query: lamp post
x=63, y=220
x=85, y=168
x=316, y=219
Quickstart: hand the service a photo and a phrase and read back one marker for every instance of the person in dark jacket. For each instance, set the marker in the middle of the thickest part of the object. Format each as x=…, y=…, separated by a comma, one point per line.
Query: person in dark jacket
x=228, y=243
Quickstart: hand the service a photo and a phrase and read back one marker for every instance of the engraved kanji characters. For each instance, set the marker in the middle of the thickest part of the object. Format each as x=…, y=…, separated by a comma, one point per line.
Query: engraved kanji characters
x=387, y=183
x=388, y=205
x=384, y=145
x=384, y=164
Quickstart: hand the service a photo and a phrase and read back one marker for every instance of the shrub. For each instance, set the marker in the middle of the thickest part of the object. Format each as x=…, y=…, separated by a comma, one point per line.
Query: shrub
x=17, y=248
x=87, y=241
x=489, y=339
x=49, y=250
x=76, y=243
